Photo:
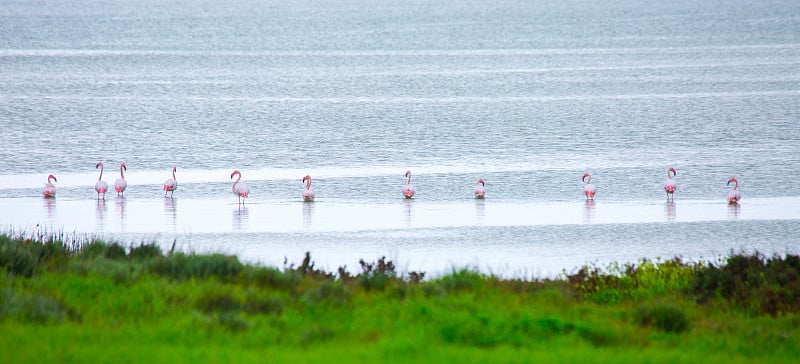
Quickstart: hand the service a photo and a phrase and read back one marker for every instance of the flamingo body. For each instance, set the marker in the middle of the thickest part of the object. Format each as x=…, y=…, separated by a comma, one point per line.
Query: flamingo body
x=49, y=187
x=589, y=189
x=669, y=185
x=480, y=191
x=734, y=196
x=100, y=186
x=308, y=193
x=170, y=184
x=240, y=189
x=121, y=184
x=408, y=189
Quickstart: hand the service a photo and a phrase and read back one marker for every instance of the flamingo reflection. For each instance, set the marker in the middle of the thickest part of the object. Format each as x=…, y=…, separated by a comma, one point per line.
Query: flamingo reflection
x=588, y=211
x=733, y=211
x=308, y=213
x=669, y=210
x=241, y=217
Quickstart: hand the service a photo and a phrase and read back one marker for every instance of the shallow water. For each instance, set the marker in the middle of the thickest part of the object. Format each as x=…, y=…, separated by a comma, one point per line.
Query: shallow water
x=525, y=96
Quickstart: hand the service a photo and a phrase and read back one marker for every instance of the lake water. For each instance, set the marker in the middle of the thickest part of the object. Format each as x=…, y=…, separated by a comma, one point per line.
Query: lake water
x=526, y=95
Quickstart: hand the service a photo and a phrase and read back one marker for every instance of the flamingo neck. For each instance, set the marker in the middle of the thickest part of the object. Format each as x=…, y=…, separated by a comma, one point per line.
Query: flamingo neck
x=308, y=184
x=121, y=173
x=101, y=173
x=173, y=174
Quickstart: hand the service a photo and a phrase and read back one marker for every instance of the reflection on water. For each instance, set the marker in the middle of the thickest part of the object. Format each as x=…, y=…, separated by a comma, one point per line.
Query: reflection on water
x=669, y=210
x=408, y=211
x=480, y=212
x=588, y=212
x=100, y=214
x=240, y=218
x=733, y=211
x=50, y=206
x=171, y=210
x=121, y=208
x=308, y=212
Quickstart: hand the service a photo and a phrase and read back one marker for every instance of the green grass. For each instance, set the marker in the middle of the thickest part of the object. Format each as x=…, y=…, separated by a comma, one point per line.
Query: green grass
x=95, y=302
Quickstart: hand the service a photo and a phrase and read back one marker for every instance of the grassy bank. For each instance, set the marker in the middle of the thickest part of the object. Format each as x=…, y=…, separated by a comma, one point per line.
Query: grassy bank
x=97, y=302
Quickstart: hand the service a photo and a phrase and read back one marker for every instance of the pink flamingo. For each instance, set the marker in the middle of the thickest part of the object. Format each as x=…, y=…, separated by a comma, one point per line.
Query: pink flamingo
x=669, y=185
x=734, y=196
x=121, y=184
x=170, y=184
x=308, y=193
x=100, y=186
x=49, y=187
x=408, y=189
x=480, y=192
x=589, y=190
x=240, y=189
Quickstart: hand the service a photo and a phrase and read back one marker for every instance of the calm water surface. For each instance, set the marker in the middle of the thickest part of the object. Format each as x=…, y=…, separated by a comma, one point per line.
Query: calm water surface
x=527, y=96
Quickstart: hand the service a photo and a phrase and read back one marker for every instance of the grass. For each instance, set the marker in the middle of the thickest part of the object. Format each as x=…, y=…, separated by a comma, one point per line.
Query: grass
x=90, y=301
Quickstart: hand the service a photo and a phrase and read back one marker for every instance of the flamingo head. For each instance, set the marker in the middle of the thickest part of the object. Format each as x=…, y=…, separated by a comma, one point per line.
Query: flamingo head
x=735, y=182
x=670, y=169
x=307, y=178
x=51, y=177
x=122, y=166
x=98, y=165
x=235, y=172
x=408, y=173
x=480, y=180
x=586, y=175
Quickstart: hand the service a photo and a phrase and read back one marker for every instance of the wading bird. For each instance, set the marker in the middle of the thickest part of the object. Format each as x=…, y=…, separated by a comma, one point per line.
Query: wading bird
x=308, y=193
x=121, y=184
x=171, y=184
x=589, y=190
x=669, y=185
x=49, y=187
x=408, y=189
x=480, y=191
x=100, y=186
x=734, y=196
x=240, y=189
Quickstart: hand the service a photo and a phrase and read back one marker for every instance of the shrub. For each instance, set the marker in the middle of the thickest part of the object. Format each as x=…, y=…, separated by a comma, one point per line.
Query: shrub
x=145, y=252
x=182, y=266
x=666, y=318
x=17, y=258
x=755, y=283
x=34, y=308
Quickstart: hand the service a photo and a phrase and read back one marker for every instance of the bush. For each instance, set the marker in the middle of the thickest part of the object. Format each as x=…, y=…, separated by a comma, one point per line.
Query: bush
x=182, y=266
x=755, y=283
x=145, y=252
x=666, y=318
x=34, y=308
x=17, y=258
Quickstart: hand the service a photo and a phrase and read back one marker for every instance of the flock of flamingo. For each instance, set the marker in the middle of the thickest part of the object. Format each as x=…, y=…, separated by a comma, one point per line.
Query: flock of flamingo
x=242, y=191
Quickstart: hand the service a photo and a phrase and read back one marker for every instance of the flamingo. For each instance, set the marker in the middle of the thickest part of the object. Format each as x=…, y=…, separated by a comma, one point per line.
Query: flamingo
x=308, y=193
x=734, y=196
x=240, y=189
x=49, y=187
x=408, y=189
x=589, y=190
x=480, y=192
x=170, y=184
x=669, y=185
x=121, y=184
x=100, y=186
